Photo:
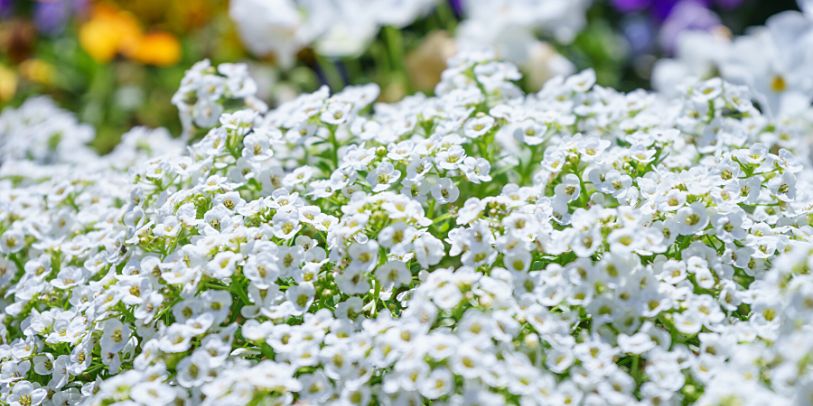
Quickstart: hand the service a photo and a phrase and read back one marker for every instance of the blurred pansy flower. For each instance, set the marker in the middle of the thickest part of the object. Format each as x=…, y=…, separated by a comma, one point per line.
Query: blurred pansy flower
x=8, y=84
x=686, y=16
x=660, y=22
x=107, y=32
x=51, y=16
x=37, y=71
x=175, y=16
x=159, y=48
x=662, y=9
x=6, y=8
x=640, y=32
x=110, y=31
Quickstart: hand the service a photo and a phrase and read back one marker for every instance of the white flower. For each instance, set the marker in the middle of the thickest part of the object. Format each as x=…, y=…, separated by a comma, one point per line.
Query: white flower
x=478, y=126
x=692, y=219
x=280, y=22
x=301, y=296
x=152, y=393
x=438, y=383
x=450, y=158
x=383, y=176
x=285, y=224
x=350, y=33
x=25, y=393
x=428, y=250
x=636, y=344
x=223, y=264
x=476, y=169
x=336, y=112
x=114, y=336
x=192, y=371
x=393, y=274
x=176, y=338
x=444, y=191
x=353, y=281
x=11, y=241
x=530, y=132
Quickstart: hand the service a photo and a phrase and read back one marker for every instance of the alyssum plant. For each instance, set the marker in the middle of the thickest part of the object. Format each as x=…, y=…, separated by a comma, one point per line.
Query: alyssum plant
x=575, y=246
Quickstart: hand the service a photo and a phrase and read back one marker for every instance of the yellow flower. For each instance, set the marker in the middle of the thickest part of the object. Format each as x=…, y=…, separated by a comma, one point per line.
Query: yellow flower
x=111, y=31
x=37, y=71
x=160, y=48
x=108, y=32
x=8, y=84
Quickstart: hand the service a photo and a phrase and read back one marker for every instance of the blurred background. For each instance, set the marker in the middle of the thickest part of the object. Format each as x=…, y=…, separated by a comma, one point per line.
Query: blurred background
x=116, y=64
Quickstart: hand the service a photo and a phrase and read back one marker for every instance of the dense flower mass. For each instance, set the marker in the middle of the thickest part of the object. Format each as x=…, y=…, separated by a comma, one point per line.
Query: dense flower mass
x=481, y=246
x=206, y=92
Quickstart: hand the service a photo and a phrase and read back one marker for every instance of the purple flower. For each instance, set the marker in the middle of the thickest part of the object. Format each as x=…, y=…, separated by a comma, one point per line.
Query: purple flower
x=728, y=4
x=5, y=8
x=457, y=7
x=686, y=16
x=626, y=6
x=640, y=33
x=669, y=18
x=662, y=9
x=50, y=16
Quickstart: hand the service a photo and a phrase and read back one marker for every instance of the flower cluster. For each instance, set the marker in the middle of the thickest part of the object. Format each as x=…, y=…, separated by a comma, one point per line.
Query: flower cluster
x=207, y=92
x=772, y=60
x=39, y=131
x=481, y=246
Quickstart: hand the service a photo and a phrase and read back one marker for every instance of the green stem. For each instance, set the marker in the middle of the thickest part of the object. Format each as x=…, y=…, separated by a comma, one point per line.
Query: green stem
x=376, y=295
x=442, y=218
x=395, y=46
x=445, y=14
x=380, y=59
x=330, y=73
x=354, y=69
x=584, y=199
x=527, y=171
x=334, y=148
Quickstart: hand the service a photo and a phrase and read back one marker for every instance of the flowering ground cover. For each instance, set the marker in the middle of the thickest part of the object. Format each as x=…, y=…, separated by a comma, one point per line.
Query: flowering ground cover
x=477, y=244
x=574, y=245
